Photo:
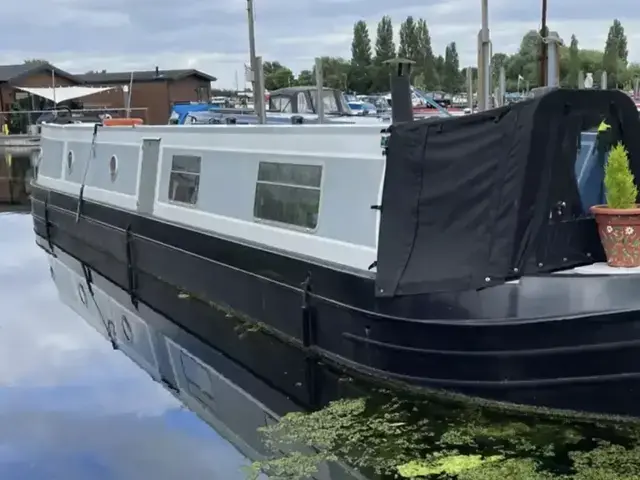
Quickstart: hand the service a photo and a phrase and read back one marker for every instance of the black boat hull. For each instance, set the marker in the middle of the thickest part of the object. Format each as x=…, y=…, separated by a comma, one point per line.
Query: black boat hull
x=587, y=363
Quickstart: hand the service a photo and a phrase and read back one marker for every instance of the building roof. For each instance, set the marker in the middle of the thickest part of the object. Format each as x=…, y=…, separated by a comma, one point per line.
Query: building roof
x=299, y=88
x=11, y=73
x=142, y=76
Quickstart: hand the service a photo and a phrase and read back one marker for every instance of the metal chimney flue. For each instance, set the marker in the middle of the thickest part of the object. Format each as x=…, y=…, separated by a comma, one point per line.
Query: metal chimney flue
x=401, y=105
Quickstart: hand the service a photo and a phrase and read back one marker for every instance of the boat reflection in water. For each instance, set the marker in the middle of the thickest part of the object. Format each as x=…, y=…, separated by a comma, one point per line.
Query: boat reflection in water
x=220, y=389
x=72, y=409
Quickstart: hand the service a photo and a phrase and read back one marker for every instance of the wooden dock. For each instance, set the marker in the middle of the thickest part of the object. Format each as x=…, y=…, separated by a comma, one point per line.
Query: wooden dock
x=18, y=156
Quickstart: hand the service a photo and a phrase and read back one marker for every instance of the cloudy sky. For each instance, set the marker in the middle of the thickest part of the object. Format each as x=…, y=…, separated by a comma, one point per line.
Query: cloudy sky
x=211, y=35
x=70, y=406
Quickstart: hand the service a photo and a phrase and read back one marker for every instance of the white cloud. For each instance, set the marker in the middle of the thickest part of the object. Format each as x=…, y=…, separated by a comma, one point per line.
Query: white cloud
x=70, y=407
x=45, y=346
x=212, y=35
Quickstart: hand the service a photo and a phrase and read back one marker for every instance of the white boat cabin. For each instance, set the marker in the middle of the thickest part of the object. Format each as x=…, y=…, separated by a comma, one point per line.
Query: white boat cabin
x=304, y=189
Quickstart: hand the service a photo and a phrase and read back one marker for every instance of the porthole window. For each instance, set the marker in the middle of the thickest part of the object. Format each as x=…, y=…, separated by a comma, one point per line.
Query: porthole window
x=82, y=294
x=127, y=331
x=289, y=194
x=184, y=180
x=111, y=330
x=70, y=159
x=113, y=167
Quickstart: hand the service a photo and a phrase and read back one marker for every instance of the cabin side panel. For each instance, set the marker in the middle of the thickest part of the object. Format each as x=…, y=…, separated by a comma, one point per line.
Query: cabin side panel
x=113, y=167
x=52, y=153
x=228, y=182
x=112, y=177
x=217, y=181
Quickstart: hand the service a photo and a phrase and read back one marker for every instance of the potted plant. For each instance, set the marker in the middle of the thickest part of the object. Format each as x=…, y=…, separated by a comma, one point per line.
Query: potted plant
x=619, y=220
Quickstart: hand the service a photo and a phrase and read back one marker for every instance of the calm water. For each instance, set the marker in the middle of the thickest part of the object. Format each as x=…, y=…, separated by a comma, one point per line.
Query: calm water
x=72, y=408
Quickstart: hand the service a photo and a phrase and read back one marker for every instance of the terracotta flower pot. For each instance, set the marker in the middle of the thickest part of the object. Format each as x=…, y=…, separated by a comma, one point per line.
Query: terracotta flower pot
x=619, y=231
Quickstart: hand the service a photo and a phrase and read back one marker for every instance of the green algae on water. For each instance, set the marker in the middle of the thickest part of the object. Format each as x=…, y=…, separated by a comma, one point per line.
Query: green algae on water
x=386, y=436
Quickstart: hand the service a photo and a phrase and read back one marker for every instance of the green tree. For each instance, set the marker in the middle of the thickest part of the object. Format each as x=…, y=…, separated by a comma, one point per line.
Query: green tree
x=498, y=60
x=335, y=72
x=631, y=73
x=574, y=63
x=360, y=73
x=408, y=40
x=280, y=78
x=305, y=77
x=385, y=50
x=614, y=60
x=361, y=45
x=440, y=72
x=425, y=71
x=276, y=76
x=32, y=61
x=591, y=61
x=623, y=50
x=526, y=61
x=451, y=81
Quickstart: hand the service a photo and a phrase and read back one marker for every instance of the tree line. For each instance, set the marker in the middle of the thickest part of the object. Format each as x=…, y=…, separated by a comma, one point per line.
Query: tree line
x=366, y=72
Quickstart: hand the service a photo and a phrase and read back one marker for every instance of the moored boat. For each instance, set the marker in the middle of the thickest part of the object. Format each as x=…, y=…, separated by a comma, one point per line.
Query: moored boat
x=450, y=254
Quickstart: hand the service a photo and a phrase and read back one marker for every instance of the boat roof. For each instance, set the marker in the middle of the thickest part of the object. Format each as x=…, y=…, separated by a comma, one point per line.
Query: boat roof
x=474, y=201
x=293, y=90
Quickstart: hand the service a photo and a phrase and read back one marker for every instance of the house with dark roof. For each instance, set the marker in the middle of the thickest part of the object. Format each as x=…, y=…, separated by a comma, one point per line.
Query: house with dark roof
x=155, y=91
x=152, y=95
x=30, y=74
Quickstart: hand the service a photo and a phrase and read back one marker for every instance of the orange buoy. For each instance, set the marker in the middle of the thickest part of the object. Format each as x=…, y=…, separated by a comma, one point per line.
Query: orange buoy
x=121, y=122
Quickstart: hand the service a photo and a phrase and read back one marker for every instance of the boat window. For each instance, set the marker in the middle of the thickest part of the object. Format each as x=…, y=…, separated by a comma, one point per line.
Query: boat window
x=330, y=102
x=281, y=104
x=185, y=179
x=303, y=105
x=199, y=379
x=288, y=193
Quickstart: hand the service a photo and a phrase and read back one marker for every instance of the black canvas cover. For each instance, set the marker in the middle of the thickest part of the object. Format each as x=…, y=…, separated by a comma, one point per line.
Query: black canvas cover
x=473, y=201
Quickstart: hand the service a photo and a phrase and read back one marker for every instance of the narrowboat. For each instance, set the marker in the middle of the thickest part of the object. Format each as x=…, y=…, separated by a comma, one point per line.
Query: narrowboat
x=445, y=254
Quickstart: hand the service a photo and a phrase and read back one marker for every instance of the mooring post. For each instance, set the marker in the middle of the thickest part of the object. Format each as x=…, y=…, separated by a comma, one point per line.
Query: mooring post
x=554, y=42
x=603, y=80
x=401, y=105
x=588, y=80
x=502, y=86
x=319, y=90
x=252, y=48
x=484, y=60
x=258, y=94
